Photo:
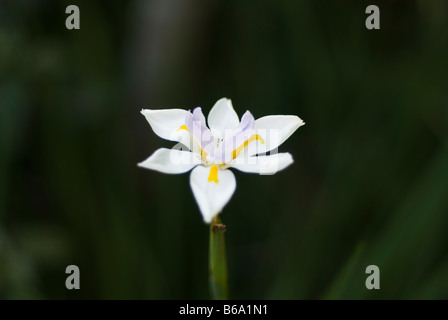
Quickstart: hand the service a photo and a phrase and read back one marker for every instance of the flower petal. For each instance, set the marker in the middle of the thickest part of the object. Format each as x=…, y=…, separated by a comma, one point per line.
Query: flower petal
x=247, y=122
x=168, y=123
x=195, y=123
x=222, y=117
x=263, y=164
x=212, y=189
x=171, y=161
x=274, y=130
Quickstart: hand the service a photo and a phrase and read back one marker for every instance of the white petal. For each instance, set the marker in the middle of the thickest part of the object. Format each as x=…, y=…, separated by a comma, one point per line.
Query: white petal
x=166, y=123
x=274, y=130
x=171, y=161
x=263, y=164
x=222, y=117
x=210, y=196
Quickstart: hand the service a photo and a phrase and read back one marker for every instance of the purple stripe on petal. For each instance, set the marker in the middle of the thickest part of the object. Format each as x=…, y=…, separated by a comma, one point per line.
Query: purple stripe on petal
x=195, y=123
x=247, y=121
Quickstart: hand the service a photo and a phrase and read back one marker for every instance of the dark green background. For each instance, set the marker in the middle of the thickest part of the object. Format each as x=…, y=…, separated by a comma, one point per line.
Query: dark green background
x=369, y=184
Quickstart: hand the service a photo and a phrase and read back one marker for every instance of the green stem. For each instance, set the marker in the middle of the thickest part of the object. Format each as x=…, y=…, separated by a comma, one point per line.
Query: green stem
x=217, y=261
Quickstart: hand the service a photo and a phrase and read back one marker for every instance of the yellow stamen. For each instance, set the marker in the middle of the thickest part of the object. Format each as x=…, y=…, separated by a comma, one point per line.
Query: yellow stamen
x=213, y=176
x=238, y=150
x=184, y=127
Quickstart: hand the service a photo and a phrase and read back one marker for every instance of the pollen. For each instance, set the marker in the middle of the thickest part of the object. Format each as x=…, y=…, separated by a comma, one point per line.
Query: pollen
x=238, y=150
x=184, y=127
x=213, y=176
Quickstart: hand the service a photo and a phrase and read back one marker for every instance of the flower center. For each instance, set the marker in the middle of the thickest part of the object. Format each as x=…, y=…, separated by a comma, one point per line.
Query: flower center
x=215, y=151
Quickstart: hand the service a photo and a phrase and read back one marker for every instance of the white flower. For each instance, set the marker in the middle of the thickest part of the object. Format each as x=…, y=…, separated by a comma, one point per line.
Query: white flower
x=229, y=143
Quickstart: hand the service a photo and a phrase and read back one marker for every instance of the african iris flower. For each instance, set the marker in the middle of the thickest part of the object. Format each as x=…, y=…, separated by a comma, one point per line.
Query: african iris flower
x=209, y=151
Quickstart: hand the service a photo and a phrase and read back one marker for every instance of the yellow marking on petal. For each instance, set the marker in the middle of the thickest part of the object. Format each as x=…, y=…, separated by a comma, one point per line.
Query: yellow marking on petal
x=203, y=154
x=238, y=150
x=213, y=176
x=184, y=127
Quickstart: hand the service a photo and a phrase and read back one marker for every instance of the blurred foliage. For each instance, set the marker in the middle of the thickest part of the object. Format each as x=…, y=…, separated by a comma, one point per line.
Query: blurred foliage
x=368, y=186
